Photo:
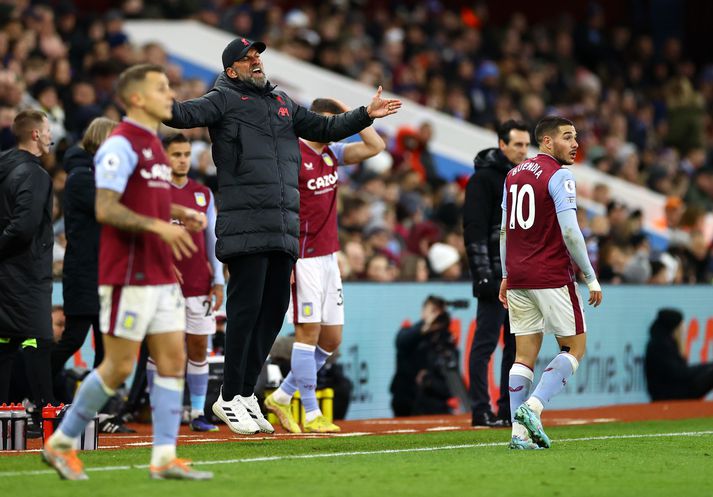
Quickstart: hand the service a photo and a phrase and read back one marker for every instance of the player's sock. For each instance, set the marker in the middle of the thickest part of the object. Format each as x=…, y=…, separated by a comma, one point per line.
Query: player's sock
x=310, y=415
x=91, y=397
x=554, y=379
x=283, y=395
x=197, y=379
x=166, y=409
x=320, y=357
x=519, y=385
x=303, y=368
x=151, y=371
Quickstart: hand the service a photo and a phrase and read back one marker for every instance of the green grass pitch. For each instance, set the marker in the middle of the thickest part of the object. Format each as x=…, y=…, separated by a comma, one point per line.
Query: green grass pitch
x=666, y=458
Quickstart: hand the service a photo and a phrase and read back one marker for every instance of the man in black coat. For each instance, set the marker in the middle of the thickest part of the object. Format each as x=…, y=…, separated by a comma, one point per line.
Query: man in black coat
x=81, y=259
x=26, y=242
x=482, y=214
x=668, y=374
x=254, y=130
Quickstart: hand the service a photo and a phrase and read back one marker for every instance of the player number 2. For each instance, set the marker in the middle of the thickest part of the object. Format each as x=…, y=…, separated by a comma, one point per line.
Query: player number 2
x=518, y=199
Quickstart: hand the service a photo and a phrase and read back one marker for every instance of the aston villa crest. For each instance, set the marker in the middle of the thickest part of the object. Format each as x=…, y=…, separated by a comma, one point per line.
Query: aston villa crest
x=328, y=160
x=200, y=199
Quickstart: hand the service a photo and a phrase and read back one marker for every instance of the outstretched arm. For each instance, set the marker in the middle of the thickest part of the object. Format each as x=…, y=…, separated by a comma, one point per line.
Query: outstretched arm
x=201, y=111
x=370, y=145
x=314, y=127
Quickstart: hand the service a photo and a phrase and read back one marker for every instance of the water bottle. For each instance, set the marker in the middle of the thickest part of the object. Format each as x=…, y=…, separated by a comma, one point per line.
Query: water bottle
x=19, y=427
x=49, y=420
x=5, y=433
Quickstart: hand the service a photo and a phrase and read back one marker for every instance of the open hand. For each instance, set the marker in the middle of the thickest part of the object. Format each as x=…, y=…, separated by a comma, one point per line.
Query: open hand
x=382, y=107
x=178, y=239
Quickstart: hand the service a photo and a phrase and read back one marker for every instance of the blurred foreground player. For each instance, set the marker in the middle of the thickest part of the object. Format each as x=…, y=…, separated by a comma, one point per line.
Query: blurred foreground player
x=138, y=292
x=539, y=233
x=317, y=301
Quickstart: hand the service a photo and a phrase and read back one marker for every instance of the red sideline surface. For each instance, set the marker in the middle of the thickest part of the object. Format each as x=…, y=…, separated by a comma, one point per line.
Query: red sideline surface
x=420, y=424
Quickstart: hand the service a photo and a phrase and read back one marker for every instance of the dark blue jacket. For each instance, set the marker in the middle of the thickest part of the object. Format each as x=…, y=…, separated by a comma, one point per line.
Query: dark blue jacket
x=255, y=149
x=79, y=282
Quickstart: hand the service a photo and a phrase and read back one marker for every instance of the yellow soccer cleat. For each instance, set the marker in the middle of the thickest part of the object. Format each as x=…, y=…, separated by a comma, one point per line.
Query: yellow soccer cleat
x=320, y=424
x=283, y=413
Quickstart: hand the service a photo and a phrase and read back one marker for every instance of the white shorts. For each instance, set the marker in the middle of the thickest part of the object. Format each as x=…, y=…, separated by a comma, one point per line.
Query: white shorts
x=317, y=295
x=546, y=310
x=200, y=318
x=132, y=312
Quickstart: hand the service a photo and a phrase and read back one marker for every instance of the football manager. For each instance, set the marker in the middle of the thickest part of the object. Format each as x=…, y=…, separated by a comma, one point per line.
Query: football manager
x=254, y=129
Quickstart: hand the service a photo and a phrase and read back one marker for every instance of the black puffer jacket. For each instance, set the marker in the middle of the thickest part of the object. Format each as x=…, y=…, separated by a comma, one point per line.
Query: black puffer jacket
x=481, y=221
x=79, y=282
x=26, y=242
x=254, y=133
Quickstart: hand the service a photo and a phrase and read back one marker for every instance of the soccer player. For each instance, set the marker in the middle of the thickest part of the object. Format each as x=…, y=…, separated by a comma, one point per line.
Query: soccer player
x=539, y=233
x=317, y=301
x=202, y=279
x=138, y=292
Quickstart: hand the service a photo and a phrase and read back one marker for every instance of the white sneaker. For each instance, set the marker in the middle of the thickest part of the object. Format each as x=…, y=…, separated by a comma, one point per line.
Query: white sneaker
x=253, y=408
x=234, y=414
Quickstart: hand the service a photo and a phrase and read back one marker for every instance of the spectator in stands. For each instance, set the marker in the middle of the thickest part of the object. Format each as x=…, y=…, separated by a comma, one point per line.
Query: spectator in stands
x=668, y=374
x=638, y=267
x=380, y=269
x=356, y=259
x=445, y=261
x=700, y=193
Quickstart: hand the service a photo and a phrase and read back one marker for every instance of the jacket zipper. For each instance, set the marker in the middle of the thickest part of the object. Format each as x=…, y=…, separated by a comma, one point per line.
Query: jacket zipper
x=279, y=169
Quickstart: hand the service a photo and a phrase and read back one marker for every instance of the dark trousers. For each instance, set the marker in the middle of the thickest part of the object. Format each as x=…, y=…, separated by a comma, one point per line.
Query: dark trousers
x=257, y=300
x=75, y=332
x=491, y=315
x=37, y=371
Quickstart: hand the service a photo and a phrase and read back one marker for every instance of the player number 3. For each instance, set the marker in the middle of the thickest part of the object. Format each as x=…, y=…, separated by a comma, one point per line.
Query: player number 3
x=518, y=199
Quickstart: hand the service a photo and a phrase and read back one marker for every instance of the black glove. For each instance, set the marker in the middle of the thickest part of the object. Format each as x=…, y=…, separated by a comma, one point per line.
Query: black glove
x=486, y=288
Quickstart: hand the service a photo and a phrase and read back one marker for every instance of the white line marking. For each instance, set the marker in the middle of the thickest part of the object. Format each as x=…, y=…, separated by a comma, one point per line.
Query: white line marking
x=369, y=452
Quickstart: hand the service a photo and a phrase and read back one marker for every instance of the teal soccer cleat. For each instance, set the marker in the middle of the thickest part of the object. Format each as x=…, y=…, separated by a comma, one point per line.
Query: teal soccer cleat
x=531, y=421
x=518, y=443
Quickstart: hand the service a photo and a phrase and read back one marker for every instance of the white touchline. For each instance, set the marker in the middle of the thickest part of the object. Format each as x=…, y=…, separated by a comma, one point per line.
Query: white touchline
x=366, y=452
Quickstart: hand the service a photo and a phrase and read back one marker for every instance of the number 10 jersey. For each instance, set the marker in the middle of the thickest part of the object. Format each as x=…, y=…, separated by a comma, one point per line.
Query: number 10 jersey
x=534, y=192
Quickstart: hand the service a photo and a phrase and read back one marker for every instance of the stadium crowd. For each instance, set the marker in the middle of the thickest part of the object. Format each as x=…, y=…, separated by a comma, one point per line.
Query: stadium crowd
x=642, y=112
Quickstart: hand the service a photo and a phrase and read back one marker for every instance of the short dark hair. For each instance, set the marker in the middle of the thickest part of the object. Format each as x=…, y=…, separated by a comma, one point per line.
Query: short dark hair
x=505, y=128
x=25, y=122
x=550, y=124
x=134, y=74
x=168, y=140
x=321, y=105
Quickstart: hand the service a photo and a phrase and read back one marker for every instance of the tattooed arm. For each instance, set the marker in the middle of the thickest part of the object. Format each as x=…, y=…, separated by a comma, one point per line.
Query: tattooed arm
x=112, y=212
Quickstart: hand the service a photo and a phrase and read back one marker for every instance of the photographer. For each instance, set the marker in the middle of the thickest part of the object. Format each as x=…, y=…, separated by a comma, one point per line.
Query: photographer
x=425, y=352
